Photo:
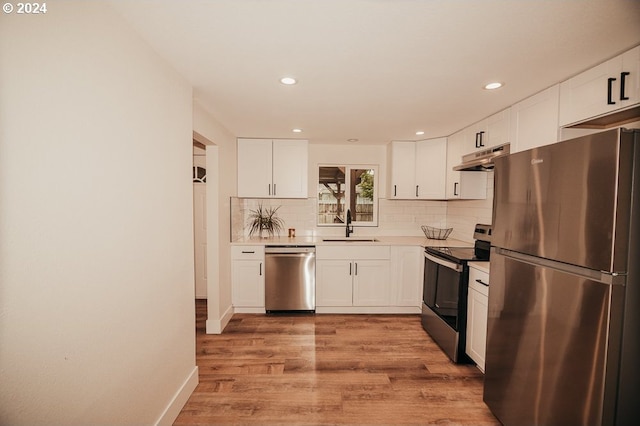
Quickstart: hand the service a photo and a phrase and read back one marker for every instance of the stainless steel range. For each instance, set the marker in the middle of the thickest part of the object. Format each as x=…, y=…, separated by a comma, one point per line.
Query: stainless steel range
x=444, y=300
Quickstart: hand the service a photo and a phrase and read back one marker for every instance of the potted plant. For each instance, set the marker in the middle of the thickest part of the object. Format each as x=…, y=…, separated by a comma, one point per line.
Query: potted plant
x=264, y=219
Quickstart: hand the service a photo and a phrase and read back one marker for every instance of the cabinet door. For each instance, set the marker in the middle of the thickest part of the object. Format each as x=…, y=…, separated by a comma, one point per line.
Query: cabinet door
x=477, y=311
x=462, y=185
x=473, y=185
x=407, y=264
x=631, y=64
x=498, y=128
x=247, y=278
x=431, y=169
x=403, y=171
x=334, y=282
x=534, y=121
x=475, y=137
x=290, y=168
x=255, y=168
x=455, y=144
x=599, y=90
x=371, y=283
x=585, y=95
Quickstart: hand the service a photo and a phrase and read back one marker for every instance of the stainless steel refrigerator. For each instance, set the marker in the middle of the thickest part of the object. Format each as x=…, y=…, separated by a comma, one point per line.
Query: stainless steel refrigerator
x=563, y=336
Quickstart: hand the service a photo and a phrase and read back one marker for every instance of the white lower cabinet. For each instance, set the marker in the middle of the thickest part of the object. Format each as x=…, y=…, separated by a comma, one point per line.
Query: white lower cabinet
x=349, y=278
x=407, y=266
x=247, y=279
x=334, y=282
x=477, y=311
x=371, y=283
x=353, y=278
x=368, y=279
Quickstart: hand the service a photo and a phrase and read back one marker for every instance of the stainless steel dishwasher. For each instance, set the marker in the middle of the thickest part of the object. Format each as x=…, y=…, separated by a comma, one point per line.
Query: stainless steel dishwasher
x=290, y=278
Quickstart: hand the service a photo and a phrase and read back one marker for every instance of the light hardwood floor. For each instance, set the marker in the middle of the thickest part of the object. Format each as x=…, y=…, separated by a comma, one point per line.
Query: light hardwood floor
x=329, y=369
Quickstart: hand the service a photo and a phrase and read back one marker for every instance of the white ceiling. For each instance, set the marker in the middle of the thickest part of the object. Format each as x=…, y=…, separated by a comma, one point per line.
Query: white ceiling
x=376, y=70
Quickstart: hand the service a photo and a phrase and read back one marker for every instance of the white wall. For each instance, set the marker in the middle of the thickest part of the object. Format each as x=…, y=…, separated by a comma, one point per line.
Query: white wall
x=96, y=253
x=221, y=186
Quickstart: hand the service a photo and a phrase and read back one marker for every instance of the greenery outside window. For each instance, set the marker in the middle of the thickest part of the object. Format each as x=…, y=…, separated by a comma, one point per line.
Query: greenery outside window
x=347, y=187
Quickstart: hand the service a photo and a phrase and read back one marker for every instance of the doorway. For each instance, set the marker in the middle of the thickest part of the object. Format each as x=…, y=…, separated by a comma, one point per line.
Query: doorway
x=200, y=218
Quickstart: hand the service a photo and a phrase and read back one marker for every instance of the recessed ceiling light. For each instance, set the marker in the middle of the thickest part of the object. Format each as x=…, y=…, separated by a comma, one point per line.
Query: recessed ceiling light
x=296, y=130
x=288, y=80
x=493, y=86
x=352, y=140
x=419, y=133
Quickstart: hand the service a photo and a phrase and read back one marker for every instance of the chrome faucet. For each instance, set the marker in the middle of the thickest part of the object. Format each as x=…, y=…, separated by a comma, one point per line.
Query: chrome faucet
x=349, y=226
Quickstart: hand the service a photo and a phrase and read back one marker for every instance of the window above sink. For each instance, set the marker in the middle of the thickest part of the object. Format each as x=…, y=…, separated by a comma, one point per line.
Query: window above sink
x=347, y=187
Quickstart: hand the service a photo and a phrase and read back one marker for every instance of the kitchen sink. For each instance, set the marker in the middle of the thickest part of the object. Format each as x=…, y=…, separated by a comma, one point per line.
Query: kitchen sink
x=350, y=240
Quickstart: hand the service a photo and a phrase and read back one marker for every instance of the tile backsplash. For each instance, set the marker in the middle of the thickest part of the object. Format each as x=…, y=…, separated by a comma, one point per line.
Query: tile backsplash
x=395, y=217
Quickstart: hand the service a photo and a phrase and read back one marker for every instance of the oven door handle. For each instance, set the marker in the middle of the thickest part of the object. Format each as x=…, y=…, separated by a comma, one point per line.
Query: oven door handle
x=442, y=262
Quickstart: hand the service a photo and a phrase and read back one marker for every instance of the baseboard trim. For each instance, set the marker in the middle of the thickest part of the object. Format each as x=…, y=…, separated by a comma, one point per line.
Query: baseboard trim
x=401, y=310
x=178, y=401
x=217, y=326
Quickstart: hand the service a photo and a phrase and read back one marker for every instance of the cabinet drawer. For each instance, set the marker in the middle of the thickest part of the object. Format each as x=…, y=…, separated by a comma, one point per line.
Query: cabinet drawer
x=358, y=252
x=247, y=252
x=476, y=275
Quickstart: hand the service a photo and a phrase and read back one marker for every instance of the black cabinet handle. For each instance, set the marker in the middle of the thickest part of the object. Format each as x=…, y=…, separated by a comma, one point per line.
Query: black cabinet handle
x=356, y=268
x=269, y=189
x=481, y=141
x=610, y=90
x=477, y=137
x=274, y=189
x=455, y=188
x=260, y=268
x=623, y=79
x=350, y=266
x=247, y=252
x=479, y=281
x=416, y=190
x=395, y=192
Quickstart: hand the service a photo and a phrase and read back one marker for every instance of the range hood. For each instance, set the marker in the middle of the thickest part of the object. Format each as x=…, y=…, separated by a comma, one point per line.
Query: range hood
x=482, y=160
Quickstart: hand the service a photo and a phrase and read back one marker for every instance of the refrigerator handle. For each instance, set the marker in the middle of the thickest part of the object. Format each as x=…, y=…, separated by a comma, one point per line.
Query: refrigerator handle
x=623, y=79
x=610, y=90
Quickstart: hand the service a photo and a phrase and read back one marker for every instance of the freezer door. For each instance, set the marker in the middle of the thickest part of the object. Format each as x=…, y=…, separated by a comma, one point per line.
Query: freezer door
x=552, y=345
x=568, y=201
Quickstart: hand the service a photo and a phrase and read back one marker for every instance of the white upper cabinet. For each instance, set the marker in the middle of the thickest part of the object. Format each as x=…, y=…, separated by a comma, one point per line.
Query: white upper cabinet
x=608, y=87
x=498, y=126
x=475, y=137
x=462, y=185
x=290, y=168
x=418, y=169
x=430, y=160
x=402, y=156
x=534, y=121
x=487, y=133
x=272, y=168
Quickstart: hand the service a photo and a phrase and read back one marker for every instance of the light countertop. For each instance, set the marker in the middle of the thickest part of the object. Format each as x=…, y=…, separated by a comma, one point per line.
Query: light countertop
x=380, y=240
